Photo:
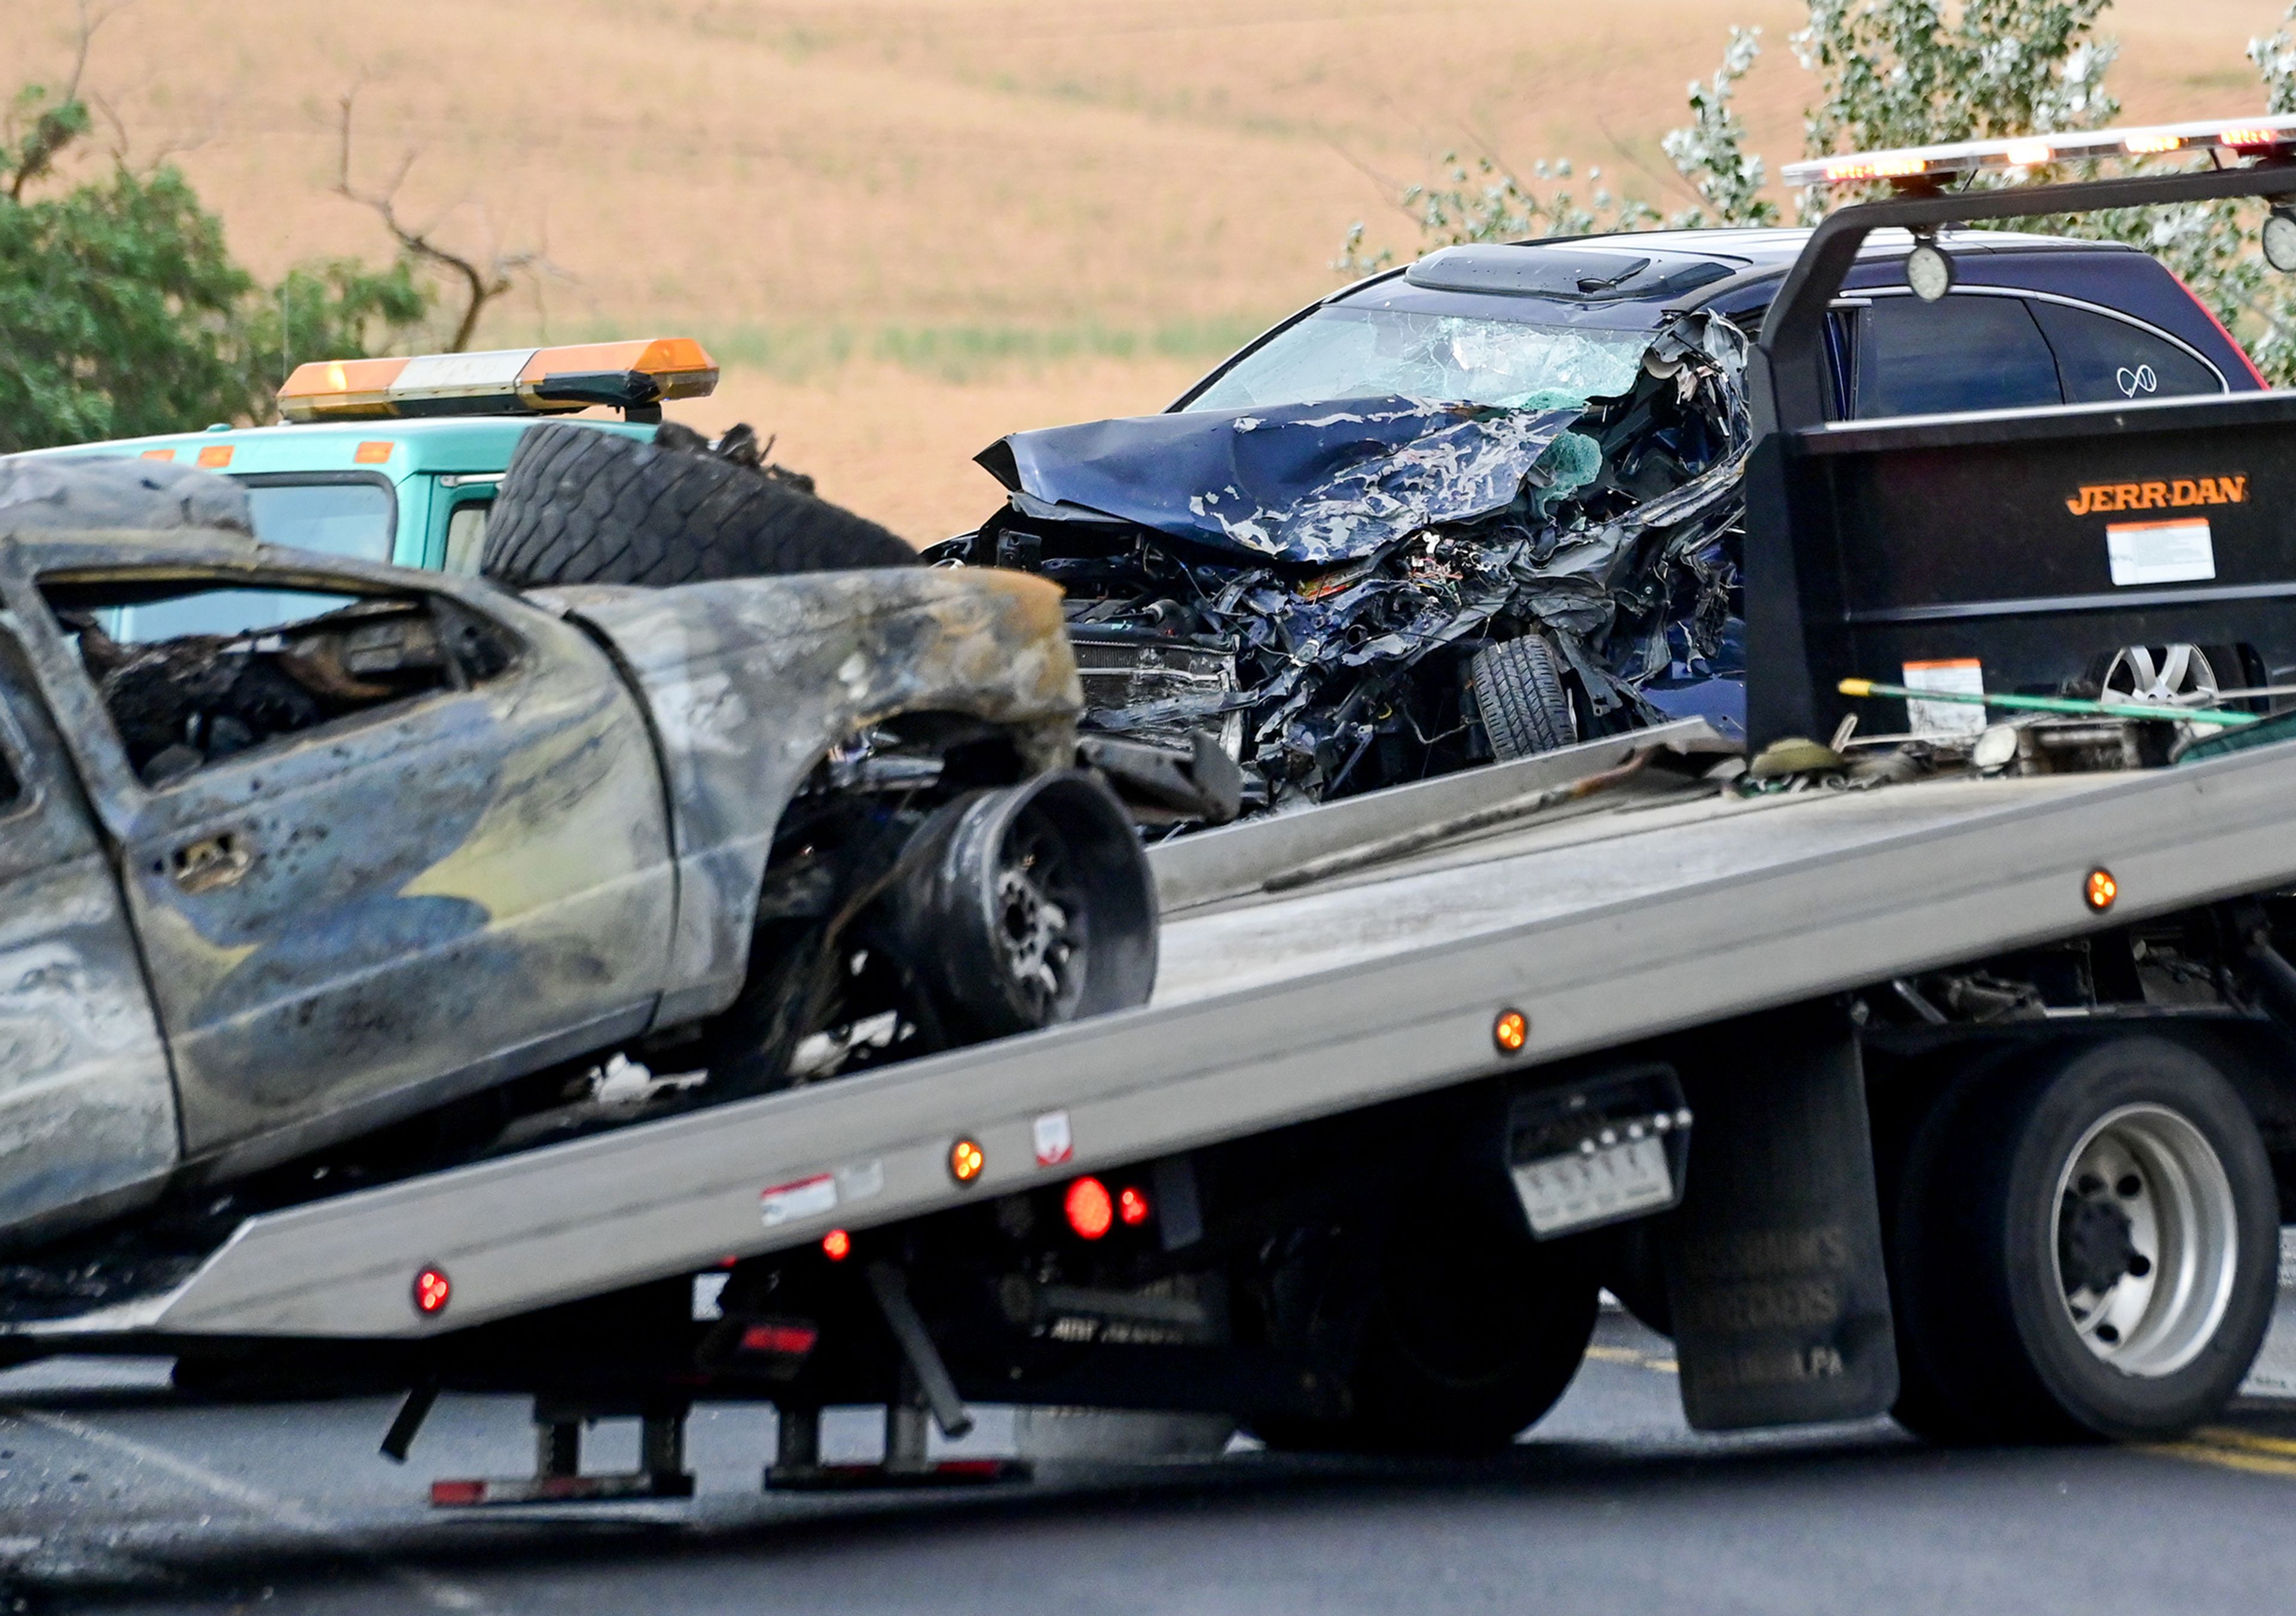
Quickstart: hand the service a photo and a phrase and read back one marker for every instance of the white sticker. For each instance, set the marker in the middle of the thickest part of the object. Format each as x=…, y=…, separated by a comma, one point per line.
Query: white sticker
x=709, y=1295
x=861, y=1181
x=1963, y=677
x=1054, y=1144
x=806, y=1198
x=2160, y=551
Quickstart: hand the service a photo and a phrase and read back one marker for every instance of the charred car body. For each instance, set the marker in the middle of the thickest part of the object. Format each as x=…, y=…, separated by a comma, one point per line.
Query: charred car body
x=294, y=849
x=1491, y=503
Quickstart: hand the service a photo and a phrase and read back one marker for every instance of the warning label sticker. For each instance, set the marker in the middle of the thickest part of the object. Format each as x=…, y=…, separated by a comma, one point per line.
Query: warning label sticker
x=2160, y=551
x=804, y=1198
x=1054, y=1144
x=1963, y=675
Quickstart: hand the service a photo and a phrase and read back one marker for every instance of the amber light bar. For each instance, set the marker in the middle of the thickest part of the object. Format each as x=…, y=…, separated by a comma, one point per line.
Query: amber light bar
x=2241, y=138
x=514, y=380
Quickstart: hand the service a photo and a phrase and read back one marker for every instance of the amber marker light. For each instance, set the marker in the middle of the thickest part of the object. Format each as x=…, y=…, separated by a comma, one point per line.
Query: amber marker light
x=965, y=1160
x=1511, y=1031
x=373, y=452
x=431, y=1290
x=2100, y=888
x=837, y=1245
x=216, y=456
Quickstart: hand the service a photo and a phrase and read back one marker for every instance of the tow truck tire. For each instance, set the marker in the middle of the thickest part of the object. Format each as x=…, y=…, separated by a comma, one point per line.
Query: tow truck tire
x=579, y=505
x=2085, y=1248
x=1520, y=693
x=1473, y=1332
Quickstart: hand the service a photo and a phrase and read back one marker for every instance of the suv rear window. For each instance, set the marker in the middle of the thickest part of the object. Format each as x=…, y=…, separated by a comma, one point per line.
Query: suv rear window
x=2103, y=360
x=1965, y=352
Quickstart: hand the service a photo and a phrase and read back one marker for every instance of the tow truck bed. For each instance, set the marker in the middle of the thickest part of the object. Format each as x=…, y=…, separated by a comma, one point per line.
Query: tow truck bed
x=1272, y=1010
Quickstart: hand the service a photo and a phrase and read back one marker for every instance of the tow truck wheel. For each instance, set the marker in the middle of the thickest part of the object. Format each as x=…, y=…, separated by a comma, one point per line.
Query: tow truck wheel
x=1472, y=1333
x=2087, y=1249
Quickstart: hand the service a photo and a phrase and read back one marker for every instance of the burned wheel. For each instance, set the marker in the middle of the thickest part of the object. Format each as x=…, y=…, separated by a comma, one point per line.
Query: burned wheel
x=1027, y=907
x=2087, y=1249
x=1005, y=911
x=1520, y=693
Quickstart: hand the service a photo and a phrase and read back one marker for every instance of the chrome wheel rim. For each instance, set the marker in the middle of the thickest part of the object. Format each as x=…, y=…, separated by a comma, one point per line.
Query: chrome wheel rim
x=2165, y=674
x=2146, y=1240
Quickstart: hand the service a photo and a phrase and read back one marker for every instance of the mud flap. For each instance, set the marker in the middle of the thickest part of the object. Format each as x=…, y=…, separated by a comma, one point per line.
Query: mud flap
x=1774, y=1275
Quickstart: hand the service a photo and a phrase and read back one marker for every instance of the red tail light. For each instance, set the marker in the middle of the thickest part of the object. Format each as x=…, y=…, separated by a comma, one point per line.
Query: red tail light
x=1131, y=1207
x=1090, y=1211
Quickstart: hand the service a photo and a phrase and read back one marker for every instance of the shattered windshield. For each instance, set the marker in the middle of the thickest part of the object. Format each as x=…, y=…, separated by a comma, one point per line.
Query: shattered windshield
x=1343, y=352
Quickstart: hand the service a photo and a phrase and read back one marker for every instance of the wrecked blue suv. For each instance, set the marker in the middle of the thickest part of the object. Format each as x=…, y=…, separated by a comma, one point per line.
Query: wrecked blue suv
x=1490, y=503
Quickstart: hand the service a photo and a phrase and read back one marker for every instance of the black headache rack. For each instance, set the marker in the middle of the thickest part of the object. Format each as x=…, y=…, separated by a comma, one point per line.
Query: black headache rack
x=2033, y=544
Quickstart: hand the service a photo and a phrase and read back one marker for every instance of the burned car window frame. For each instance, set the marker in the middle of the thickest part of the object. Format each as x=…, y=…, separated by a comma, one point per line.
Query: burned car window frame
x=443, y=609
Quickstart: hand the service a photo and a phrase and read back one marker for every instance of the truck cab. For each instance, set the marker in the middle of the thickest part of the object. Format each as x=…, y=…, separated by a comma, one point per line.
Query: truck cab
x=396, y=461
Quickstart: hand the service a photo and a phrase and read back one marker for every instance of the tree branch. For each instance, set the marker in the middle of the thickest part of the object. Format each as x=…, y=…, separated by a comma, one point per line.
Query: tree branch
x=481, y=285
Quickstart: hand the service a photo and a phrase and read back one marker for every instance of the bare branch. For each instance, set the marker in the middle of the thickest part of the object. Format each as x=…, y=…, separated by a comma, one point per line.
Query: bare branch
x=480, y=285
x=56, y=128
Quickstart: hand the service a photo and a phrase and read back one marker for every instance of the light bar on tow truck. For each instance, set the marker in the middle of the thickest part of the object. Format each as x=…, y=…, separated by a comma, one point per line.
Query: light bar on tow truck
x=633, y=375
x=2241, y=138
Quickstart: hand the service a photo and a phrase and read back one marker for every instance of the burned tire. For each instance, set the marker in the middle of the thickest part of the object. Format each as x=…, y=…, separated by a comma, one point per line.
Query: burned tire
x=2089, y=1248
x=1520, y=693
x=1472, y=1333
x=1006, y=911
x=579, y=505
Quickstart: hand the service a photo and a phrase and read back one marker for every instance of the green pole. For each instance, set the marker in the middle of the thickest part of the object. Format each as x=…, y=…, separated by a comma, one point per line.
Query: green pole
x=2063, y=704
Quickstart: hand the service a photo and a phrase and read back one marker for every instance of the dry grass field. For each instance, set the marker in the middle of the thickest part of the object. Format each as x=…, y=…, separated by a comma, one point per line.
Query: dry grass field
x=909, y=225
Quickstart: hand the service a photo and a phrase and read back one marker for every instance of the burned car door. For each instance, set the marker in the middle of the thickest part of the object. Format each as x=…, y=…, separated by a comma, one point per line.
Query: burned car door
x=382, y=844
x=88, y=1114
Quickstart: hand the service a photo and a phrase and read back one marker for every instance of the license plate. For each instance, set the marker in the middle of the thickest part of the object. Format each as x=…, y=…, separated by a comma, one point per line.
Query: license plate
x=1577, y=1191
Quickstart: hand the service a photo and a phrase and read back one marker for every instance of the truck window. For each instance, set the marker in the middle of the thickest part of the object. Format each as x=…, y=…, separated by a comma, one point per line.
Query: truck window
x=2103, y=360
x=352, y=517
x=348, y=517
x=181, y=702
x=466, y=537
x=1967, y=351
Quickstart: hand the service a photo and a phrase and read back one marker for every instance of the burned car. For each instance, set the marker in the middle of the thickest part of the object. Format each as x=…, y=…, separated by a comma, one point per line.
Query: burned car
x=296, y=850
x=1491, y=503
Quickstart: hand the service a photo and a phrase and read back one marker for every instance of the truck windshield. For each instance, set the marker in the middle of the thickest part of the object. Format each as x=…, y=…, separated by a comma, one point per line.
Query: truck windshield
x=1339, y=352
x=347, y=518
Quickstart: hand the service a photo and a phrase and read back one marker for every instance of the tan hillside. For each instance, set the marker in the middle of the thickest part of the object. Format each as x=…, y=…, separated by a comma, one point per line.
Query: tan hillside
x=908, y=226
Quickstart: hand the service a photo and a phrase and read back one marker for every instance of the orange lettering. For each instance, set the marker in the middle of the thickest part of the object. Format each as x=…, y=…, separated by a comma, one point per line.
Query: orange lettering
x=2235, y=490
x=2156, y=496
x=2183, y=491
x=2126, y=496
x=2209, y=495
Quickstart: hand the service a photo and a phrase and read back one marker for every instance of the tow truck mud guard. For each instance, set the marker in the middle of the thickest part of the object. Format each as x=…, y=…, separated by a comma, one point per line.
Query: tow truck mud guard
x=2008, y=549
x=1774, y=1275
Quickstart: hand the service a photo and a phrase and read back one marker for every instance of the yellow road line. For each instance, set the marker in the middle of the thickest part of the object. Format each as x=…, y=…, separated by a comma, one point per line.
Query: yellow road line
x=2223, y=1457
x=2226, y=1436
x=1639, y=1360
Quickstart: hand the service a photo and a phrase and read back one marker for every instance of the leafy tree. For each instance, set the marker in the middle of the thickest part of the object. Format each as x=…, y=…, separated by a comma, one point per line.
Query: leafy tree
x=122, y=311
x=1901, y=73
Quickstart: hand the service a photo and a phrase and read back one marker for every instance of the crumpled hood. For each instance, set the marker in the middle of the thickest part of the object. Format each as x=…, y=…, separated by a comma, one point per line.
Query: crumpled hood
x=1312, y=483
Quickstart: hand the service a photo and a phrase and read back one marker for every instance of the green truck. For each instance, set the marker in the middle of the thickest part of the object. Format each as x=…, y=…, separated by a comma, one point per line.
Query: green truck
x=397, y=460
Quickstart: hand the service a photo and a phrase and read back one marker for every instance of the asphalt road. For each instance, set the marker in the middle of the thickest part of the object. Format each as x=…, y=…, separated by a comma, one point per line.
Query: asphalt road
x=119, y=1497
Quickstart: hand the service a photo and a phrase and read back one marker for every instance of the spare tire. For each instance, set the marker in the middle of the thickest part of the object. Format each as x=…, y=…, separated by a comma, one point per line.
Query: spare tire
x=579, y=505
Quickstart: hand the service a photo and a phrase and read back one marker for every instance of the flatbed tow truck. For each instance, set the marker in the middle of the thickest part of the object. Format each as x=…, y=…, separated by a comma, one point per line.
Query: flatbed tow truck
x=1971, y=1098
